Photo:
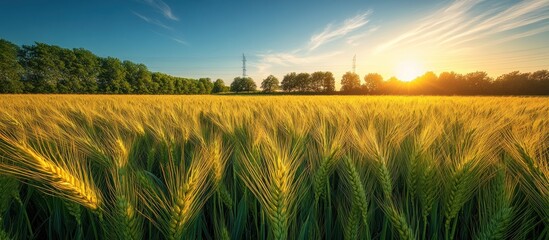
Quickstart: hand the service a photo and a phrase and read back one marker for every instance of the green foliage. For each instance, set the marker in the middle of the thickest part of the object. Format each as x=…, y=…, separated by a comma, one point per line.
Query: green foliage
x=219, y=86
x=350, y=82
x=10, y=69
x=199, y=167
x=243, y=84
x=270, y=84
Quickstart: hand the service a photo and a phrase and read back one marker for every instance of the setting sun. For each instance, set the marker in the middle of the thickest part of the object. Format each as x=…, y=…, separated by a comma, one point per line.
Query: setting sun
x=408, y=70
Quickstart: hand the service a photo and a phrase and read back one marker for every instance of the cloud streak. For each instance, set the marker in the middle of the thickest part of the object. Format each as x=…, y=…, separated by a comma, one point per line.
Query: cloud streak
x=291, y=59
x=163, y=8
x=332, y=32
x=460, y=23
x=152, y=21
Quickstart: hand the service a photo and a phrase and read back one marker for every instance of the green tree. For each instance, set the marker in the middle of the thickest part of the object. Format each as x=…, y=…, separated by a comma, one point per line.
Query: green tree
x=138, y=76
x=373, y=82
x=68, y=82
x=43, y=67
x=218, y=86
x=270, y=84
x=316, y=81
x=289, y=82
x=86, y=70
x=208, y=85
x=11, y=71
x=112, y=78
x=303, y=82
x=350, y=82
x=243, y=84
x=322, y=81
x=477, y=83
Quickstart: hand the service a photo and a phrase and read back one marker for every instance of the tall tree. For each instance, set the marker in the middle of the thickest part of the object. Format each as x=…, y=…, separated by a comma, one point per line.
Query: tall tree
x=477, y=83
x=373, y=83
x=328, y=83
x=86, y=70
x=218, y=86
x=208, y=85
x=43, y=67
x=322, y=81
x=303, y=82
x=270, y=84
x=243, y=84
x=350, y=82
x=540, y=80
x=11, y=71
x=112, y=78
x=289, y=82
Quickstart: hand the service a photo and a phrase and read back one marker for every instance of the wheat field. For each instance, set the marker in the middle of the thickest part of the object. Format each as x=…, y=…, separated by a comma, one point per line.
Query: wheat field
x=273, y=167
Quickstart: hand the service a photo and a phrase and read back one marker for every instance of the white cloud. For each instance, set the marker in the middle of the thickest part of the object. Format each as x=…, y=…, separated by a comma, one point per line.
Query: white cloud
x=355, y=40
x=460, y=23
x=163, y=8
x=332, y=32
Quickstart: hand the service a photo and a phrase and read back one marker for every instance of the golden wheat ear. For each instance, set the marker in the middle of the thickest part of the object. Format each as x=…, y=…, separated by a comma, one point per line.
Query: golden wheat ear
x=50, y=169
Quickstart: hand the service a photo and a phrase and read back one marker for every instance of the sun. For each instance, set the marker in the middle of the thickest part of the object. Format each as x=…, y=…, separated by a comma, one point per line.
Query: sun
x=408, y=70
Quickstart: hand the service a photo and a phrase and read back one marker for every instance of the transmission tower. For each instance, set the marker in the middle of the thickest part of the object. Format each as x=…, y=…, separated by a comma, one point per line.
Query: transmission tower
x=243, y=66
x=354, y=64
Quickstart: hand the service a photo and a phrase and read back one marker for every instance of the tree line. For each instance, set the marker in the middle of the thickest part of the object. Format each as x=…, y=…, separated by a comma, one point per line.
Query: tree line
x=446, y=83
x=43, y=68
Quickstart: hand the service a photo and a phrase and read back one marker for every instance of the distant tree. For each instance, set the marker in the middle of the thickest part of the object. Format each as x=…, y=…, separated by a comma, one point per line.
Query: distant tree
x=426, y=84
x=450, y=83
x=477, y=83
x=11, y=71
x=86, y=70
x=328, y=83
x=218, y=86
x=44, y=67
x=350, y=82
x=393, y=86
x=373, y=82
x=208, y=85
x=138, y=76
x=112, y=78
x=270, y=84
x=540, y=81
x=513, y=83
x=289, y=82
x=302, y=81
x=237, y=85
x=249, y=84
x=243, y=84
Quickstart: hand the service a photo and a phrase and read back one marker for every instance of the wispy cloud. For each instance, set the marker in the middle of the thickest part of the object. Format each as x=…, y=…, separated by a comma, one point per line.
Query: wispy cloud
x=174, y=37
x=163, y=8
x=296, y=59
x=180, y=41
x=460, y=22
x=152, y=21
x=332, y=32
x=356, y=39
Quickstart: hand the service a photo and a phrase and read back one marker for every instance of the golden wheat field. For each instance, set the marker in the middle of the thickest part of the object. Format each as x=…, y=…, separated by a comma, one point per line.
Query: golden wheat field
x=273, y=167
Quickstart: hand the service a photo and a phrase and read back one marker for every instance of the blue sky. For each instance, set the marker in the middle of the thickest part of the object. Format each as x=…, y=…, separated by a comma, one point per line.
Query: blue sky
x=206, y=38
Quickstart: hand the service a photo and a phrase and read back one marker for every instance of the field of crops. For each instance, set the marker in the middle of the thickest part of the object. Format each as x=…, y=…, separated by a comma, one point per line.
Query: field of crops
x=243, y=167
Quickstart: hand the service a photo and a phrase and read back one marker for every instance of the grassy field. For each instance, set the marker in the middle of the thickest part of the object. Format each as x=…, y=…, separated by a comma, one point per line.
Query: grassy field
x=274, y=167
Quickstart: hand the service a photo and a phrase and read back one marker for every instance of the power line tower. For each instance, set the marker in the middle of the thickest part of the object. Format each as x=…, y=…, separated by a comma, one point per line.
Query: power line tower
x=354, y=64
x=243, y=65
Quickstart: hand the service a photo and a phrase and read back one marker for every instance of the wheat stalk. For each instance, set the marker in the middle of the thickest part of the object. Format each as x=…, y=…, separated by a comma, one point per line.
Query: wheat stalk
x=25, y=162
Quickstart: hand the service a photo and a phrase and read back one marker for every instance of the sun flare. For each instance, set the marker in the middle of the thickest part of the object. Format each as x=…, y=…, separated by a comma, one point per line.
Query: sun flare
x=408, y=70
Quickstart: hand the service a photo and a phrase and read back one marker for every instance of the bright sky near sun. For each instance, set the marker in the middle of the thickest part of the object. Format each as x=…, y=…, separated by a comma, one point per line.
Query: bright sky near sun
x=207, y=38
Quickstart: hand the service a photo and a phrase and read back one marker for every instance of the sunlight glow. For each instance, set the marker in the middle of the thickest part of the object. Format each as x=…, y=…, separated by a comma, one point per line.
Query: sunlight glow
x=408, y=70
